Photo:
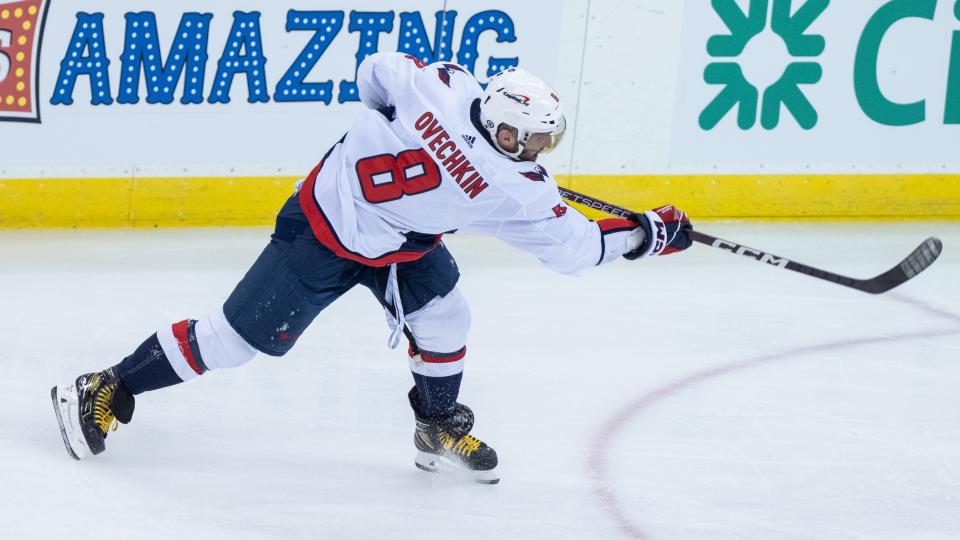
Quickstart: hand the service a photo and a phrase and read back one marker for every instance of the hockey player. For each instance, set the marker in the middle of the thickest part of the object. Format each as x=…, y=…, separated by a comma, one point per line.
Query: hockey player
x=432, y=154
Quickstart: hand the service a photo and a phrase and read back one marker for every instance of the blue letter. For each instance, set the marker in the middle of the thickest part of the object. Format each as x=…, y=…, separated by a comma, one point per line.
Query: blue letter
x=87, y=35
x=496, y=21
x=326, y=25
x=413, y=36
x=141, y=46
x=244, y=36
x=370, y=25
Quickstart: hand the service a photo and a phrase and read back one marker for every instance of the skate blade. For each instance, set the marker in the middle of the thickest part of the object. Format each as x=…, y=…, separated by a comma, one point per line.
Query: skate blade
x=64, y=405
x=433, y=463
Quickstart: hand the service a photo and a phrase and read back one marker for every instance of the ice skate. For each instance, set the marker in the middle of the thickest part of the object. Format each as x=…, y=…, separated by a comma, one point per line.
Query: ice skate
x=448, y=441
x=88, y=409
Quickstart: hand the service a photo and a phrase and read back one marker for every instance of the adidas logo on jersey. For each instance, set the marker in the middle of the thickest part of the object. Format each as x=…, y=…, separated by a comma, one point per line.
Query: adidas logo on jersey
x=469, y=139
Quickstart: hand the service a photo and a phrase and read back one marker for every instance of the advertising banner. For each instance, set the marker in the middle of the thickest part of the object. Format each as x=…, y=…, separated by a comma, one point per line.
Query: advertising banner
x=866, y=85
x=187, y=113
x=215, y=87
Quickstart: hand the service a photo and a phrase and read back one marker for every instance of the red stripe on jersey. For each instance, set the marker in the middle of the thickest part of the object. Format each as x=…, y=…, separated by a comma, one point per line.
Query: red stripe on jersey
x=325, y=234
x=183, y=341
x=613, y=225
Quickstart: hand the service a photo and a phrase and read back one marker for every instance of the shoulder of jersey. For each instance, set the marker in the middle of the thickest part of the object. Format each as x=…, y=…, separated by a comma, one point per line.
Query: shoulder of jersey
x=447, y=81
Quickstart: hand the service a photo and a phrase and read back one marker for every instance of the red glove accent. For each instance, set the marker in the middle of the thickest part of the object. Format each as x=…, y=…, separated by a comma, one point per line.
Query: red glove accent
x=671, y=226
x=666, y=232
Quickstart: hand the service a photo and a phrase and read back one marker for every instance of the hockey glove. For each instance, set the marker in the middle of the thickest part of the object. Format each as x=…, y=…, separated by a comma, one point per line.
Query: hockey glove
x=666, y=231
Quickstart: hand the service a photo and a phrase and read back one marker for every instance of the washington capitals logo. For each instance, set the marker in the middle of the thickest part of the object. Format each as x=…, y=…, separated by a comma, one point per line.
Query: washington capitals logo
x=415, y=60
x=523, y=100
x=539, y=174
x=445, y=71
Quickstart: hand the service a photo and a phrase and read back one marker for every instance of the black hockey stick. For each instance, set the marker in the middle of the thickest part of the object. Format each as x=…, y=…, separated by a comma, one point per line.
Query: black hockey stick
x=918, y=261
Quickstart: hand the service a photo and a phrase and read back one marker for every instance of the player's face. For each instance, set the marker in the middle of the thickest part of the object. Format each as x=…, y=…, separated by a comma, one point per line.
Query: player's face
x=538, y=142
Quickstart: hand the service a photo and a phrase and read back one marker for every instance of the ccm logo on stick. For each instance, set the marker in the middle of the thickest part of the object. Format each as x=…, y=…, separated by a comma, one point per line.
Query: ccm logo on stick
x=748, y=252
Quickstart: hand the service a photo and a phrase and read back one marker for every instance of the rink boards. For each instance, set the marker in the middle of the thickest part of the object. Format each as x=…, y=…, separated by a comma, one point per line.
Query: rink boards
x=197, y=113
x=243, y=201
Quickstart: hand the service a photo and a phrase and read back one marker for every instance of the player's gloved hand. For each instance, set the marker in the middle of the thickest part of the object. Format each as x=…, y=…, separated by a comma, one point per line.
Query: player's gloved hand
x=666, y=229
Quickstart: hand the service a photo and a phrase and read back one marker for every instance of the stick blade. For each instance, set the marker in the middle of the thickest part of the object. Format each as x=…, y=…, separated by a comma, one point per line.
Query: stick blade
x=922, y=258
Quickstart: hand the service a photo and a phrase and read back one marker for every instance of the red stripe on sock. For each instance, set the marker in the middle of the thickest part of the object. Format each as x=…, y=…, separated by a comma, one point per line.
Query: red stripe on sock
x=180, y=332
x=437, y=358
x=445, y=359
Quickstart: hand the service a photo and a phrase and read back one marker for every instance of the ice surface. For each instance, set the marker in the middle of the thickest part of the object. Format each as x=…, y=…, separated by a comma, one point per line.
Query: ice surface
x=694, y=396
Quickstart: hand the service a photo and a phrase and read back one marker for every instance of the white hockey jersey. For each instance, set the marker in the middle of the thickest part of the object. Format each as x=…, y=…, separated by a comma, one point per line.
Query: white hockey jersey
x=417, y=164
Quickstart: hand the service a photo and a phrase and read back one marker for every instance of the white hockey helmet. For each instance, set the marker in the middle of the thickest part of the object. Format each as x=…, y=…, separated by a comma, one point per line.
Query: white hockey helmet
x=523, y=101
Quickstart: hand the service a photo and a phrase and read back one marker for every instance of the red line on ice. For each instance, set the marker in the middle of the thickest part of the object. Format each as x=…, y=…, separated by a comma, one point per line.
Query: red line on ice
x=606, y=490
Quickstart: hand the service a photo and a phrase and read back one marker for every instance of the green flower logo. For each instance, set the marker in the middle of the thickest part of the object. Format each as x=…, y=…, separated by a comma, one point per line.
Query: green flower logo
x=737, y=91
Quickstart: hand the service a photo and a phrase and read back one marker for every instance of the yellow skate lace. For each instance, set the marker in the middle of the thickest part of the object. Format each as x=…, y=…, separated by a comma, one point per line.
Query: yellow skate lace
x=465, y=446
x=102, y=413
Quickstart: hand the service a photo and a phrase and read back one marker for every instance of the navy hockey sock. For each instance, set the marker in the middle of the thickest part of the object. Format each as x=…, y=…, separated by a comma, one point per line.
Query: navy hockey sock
x=438, y=395
x=147, y=368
